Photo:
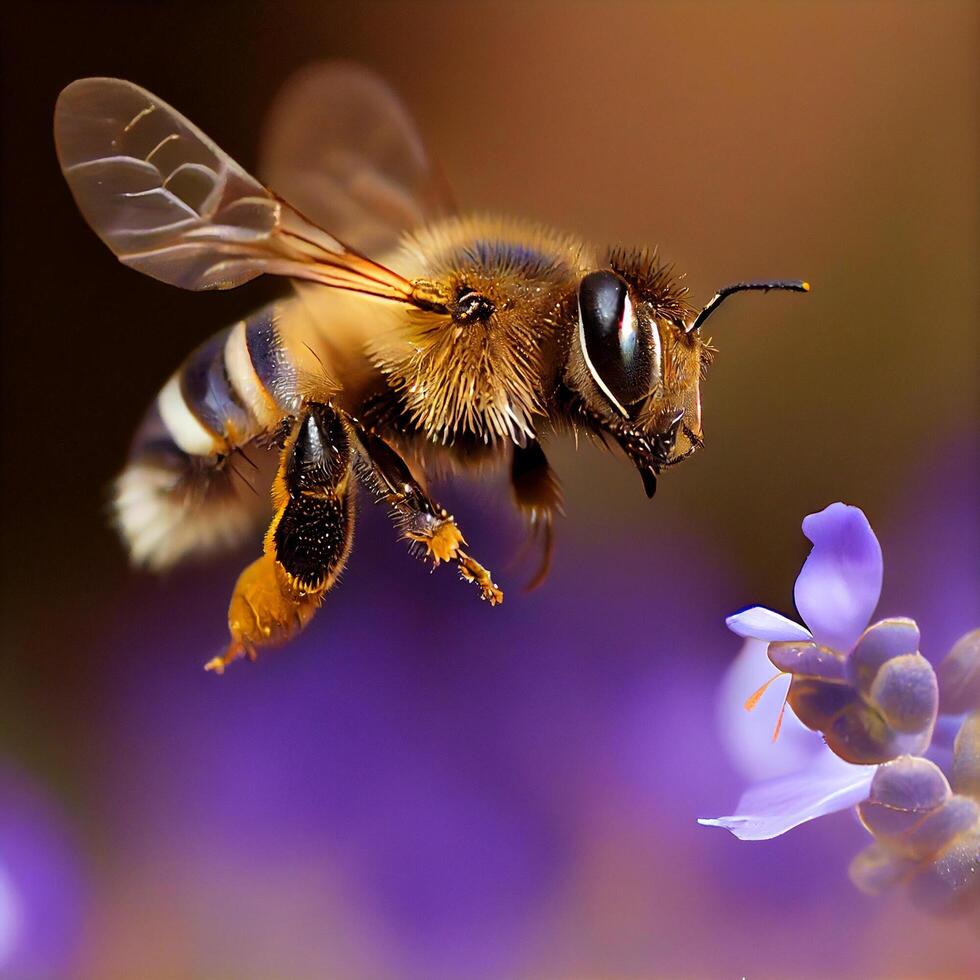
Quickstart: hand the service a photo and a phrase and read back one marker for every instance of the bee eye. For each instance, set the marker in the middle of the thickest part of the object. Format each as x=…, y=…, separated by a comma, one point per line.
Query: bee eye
x=619, y=351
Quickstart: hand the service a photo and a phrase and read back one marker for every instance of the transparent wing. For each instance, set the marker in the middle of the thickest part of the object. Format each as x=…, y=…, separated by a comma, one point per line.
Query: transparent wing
x=342, y=147
x=172, y=204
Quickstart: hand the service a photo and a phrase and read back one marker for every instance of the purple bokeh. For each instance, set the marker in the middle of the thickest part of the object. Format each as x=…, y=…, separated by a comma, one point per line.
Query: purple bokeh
x=42, y=892
x=466, y=782
x=424, y=786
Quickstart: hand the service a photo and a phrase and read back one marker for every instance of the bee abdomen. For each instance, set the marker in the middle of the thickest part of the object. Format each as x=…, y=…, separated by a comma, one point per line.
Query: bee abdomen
x=236, y=385
x=169, y=503
x=181, y=492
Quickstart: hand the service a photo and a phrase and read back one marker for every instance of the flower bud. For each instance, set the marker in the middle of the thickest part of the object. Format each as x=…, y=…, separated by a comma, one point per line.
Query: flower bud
x=906, y=693
x=940, y=828
x=889, y=826
x=959, y=676
x=880, y=643
x=966, y=757
x=876, y=869
x=910, y=783
x=951, y=886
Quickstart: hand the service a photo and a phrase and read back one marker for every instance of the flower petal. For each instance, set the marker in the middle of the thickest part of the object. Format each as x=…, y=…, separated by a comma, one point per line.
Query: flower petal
x=771, y=808
x=840, y=582
x=764, y=624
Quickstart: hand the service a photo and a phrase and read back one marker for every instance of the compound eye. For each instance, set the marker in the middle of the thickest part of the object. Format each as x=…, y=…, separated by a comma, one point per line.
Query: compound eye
x=619, y=351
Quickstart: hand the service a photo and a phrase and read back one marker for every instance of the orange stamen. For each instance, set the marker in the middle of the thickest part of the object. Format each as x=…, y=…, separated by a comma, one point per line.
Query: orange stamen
x=779, y=719
x=754, y=699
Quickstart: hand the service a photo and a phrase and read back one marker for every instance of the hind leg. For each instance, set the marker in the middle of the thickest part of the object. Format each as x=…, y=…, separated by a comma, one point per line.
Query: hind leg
x=307, y=543
x=428, y=527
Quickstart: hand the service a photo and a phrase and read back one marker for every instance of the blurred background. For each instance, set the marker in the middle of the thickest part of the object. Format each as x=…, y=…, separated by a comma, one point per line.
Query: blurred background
x=421, y=786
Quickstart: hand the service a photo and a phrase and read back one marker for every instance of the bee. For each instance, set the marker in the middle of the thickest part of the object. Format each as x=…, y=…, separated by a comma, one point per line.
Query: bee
x=416, y=340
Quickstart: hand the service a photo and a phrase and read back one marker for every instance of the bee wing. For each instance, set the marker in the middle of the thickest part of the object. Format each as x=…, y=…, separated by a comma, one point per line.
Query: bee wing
x=342, y=147
x=169, y=202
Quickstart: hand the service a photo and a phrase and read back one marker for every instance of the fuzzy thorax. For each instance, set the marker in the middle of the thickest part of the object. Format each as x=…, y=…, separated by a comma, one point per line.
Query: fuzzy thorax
x=479, y=370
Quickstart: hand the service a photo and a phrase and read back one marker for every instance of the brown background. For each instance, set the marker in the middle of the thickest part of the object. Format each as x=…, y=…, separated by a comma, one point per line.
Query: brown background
x=831, y=141
x=835, y=142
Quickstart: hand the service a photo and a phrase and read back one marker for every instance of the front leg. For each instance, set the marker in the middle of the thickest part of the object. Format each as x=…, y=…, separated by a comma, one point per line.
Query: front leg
x=428, y=527
x=538, y=497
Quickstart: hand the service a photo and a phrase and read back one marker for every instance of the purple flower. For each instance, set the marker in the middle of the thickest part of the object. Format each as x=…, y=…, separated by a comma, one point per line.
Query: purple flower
x=877, y=702
x=866, y=689
x=836, y=592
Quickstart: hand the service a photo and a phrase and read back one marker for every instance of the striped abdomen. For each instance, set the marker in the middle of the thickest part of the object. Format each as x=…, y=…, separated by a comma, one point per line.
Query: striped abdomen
x=184, y=489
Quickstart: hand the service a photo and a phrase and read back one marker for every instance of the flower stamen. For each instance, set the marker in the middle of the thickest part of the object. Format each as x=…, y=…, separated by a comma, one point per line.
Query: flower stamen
x=754, y=699
x=779, y=717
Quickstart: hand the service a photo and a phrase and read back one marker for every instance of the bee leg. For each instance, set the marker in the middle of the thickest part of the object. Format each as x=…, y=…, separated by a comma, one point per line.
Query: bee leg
x=697, y=442
x=430, y=529
x=537, y=494
x=307, y=543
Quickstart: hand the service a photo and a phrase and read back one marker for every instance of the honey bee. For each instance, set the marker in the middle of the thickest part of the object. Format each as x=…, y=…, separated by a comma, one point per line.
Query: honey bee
x=460, y=342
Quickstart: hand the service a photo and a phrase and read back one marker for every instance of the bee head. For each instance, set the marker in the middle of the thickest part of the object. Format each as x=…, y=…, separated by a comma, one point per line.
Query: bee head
x=639, y=355
x=633, y=365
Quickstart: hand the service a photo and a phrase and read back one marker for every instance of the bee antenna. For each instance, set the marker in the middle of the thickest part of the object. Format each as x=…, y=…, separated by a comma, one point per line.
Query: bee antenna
x=793, y=285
